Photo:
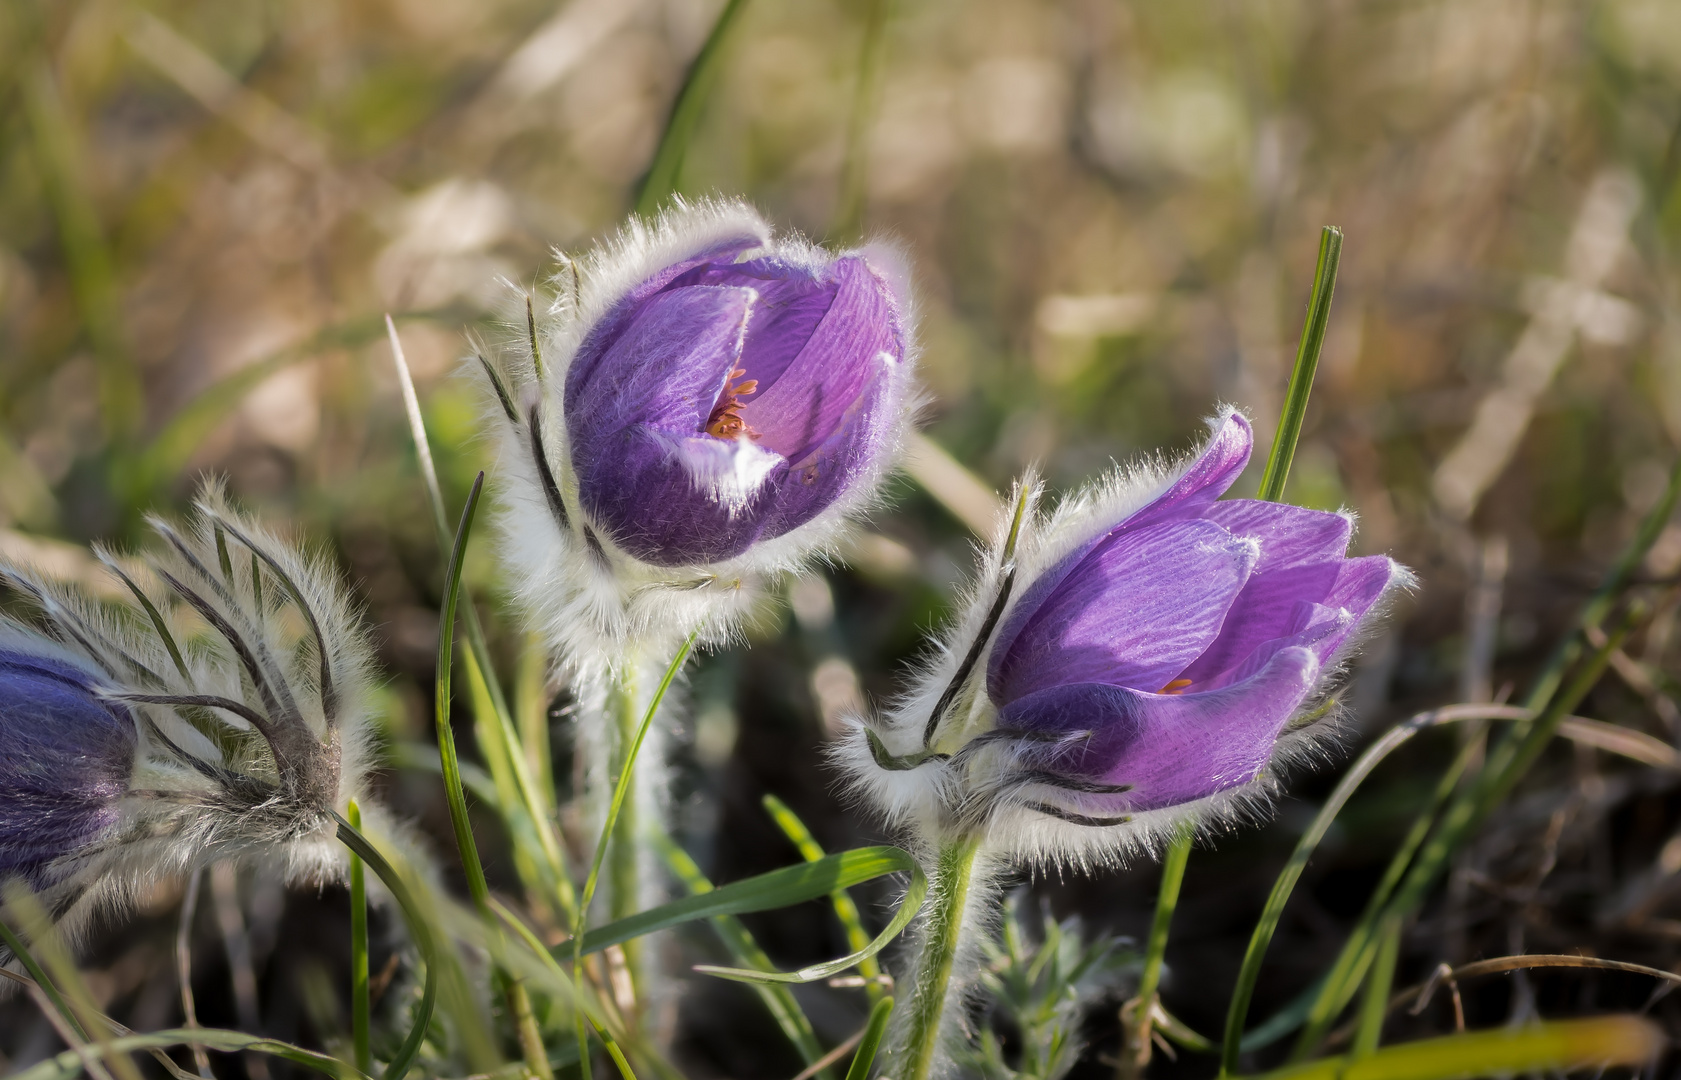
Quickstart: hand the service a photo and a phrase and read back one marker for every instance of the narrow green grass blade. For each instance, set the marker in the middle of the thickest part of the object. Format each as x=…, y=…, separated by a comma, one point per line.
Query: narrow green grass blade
x=69, y=1063
x=778, y=1000
x=477, y=659
x=1307, y=362
x=913, y=900
x=359, y=999
x=470, y=863
x=764, y=892
x=857, y=938
x=1282, y=887
x=419, y=930
x=667, y=166
x=1167, y=899
x=849, y=211
x=1375, y=1007
x=627, y=770
x=866, y=1055
x=1557, y=1046
x=37, y=926
x=21, y=951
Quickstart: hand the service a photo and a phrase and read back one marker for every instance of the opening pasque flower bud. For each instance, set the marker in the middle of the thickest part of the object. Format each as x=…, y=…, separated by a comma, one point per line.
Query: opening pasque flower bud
x=707, y=407
x=1142, y=651
x=222, y=713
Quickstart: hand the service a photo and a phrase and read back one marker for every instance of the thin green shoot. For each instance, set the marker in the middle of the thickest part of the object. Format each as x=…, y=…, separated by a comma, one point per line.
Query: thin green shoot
x=778, y=1000
x=419, y=930
x=478, y=654
x=867, y=1047
x=627, y=769
x=38, y=927
x=667, y=167
x=470, y=862
x=1292, y=872
x=849, y=211
x=24, y=956
x=360, y=1009
x=846, y=910
x=1307, y=362
x=1375, y=1007
x=1167, y=899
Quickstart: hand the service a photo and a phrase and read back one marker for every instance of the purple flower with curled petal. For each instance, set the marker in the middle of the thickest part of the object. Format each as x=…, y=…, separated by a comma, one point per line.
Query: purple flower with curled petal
x=1183, y=637
x=729, y=399
x=704, y=408
x=1141, y=649
x=66, y=755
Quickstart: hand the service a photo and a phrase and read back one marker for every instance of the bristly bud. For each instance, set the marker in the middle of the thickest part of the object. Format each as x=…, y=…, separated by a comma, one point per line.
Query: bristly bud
x=704, y=408
x=222, y=713
x=1138, y=656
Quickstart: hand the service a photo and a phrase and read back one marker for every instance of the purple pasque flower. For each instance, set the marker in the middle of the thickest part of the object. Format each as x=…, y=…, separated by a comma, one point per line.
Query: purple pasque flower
x=66, y=755
x=1142, y=648
x=705, y=407
x=1159, y=661
x=223, y=714
x=733, y=397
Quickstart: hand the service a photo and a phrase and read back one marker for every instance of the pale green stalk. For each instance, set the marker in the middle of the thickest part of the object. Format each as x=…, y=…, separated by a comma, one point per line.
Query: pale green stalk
x=954, y=869
x=359, y=999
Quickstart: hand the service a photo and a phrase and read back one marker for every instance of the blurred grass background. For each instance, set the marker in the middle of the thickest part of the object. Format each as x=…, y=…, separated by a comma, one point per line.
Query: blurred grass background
x=1111, y=209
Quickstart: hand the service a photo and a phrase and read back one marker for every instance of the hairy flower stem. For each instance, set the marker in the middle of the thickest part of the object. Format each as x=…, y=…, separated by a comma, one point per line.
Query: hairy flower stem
x=954, y=869
x=625, y=706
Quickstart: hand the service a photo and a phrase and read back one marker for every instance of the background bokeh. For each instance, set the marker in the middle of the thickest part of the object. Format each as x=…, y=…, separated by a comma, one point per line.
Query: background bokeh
x=1112, y=210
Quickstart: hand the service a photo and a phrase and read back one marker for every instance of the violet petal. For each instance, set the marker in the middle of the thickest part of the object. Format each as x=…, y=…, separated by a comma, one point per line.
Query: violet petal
x=1172, y=749
x=1134, y=613
x=65, y=760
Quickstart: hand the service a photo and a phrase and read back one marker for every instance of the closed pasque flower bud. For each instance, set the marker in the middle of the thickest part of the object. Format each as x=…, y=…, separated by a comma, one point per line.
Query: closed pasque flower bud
x=1139, y=655
x=222, y=713
x=705, y=408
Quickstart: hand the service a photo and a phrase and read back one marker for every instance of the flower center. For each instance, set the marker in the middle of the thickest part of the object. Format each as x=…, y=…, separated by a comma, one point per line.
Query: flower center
x=1177, y=686
x=726, y=421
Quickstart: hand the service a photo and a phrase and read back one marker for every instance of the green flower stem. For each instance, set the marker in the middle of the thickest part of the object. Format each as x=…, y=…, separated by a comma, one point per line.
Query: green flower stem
x=625, y=870
x=359, y=999
x=1167, y=899
x=954, y=869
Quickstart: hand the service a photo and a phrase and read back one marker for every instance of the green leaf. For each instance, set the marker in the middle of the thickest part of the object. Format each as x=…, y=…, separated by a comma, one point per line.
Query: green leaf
x=667, y=165
x=778, y=1000
x=1560, y=1045
x=1307, y=362
x=867, y=1047
x=69, y=1063
x=779, y=888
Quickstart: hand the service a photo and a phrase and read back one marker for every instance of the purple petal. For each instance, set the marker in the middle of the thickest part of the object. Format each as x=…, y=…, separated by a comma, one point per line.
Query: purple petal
x=1133, y=613
x=1315, y=606
x=1172, y=749
x=65, y=760
x=1215, y=469
x=1289, y=535
x=836, y=361
x=792, y=303
x=825, y=472
x=608, y=328
x=665, y=370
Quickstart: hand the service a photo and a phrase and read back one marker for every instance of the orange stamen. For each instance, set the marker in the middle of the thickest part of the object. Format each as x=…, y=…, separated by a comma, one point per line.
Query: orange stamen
x=726, y=421
x=1177, y=686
